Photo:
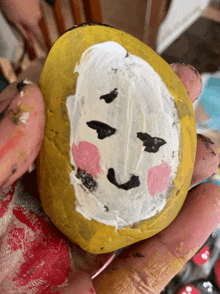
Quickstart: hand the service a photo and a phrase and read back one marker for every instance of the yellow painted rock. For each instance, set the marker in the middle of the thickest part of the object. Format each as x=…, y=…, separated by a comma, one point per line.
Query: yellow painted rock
x=120, y=139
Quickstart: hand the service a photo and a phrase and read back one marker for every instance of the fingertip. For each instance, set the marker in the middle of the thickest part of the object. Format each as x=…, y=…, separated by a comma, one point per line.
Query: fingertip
x=207, y=159
x=203, y=208
x=22, y=129
x=196, y=220
x=190, y=78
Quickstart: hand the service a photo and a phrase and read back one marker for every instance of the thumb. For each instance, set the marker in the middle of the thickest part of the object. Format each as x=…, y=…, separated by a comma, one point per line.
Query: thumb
x=22, y=120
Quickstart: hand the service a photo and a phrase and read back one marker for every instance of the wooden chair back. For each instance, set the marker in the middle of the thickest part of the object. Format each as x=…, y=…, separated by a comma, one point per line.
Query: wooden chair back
x=84, y=11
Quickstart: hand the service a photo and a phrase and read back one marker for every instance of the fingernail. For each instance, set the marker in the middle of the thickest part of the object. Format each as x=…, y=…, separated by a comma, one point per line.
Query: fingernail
x=31, y=168
x=22, y=84
x=177, y=65
x=190, y=78
x=193, y=69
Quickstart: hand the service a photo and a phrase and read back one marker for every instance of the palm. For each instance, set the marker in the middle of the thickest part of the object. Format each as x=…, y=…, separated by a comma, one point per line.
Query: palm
x=167, y=251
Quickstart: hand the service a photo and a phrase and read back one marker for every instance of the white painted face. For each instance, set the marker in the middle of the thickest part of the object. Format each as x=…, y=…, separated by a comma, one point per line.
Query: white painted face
x=124, y=140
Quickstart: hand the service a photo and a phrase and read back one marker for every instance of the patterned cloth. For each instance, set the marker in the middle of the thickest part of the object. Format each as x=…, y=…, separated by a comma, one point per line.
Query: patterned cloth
x=34, y=255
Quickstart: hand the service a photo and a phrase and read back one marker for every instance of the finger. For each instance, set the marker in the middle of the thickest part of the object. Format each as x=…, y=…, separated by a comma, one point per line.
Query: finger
x=35, y=34
x=32, y=34
x=22, y=121
x=39, y=37
x=147, y=267
x=207, y=155
x=190, y=78
x=207, y=160
x=24, y=32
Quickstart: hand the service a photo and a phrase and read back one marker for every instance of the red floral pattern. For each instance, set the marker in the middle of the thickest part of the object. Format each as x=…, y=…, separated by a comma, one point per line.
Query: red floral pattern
x=34, y=255
x=202, y=256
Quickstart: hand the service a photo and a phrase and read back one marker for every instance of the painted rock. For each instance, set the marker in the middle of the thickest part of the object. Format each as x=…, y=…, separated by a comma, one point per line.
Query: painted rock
x=120, y=139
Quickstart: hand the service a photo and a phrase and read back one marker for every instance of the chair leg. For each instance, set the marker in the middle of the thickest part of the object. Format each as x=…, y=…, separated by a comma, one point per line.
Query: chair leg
x=92, y=11
x=30, y=51
x=44, y=30
x=57, y=10
x=74, y=4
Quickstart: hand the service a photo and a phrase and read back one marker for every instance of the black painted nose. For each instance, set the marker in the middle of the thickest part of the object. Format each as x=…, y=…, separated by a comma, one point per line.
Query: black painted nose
x=132, y=183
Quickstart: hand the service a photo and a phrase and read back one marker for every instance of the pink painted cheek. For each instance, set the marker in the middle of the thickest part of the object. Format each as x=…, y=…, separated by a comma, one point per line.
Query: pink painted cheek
x=87, y=157
x=158, y=178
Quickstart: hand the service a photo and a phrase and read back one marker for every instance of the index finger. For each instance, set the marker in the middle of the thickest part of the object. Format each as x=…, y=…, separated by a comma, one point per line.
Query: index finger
x=147, y=266
x=22, y=122
x=37, y=33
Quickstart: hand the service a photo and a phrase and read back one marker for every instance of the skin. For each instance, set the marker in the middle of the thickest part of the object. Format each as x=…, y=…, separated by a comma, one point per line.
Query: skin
x=25, y=15
x=144, y=267
x=20, y=142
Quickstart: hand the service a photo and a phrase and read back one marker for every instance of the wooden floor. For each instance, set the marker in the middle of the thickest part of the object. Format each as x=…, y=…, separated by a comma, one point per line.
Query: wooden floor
x=198, y=46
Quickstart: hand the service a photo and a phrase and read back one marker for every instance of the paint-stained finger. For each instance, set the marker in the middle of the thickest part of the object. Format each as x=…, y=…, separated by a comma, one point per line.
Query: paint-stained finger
x=147, y=266
x=22, y=122
x=207, y=159
x=190, y=78
x=207, y=156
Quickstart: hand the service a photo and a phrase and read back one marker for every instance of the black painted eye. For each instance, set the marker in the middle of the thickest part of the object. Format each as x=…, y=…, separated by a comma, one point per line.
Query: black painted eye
x=152, y=144
x=102, y=129
x=110, y=96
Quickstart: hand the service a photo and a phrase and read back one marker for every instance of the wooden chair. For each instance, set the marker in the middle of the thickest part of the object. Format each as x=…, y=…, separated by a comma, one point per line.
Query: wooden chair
x=155, y=15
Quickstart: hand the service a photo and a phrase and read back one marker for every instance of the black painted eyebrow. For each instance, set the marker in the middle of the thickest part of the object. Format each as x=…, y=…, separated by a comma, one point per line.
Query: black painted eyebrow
x=102, y=129
x=152, y=144
x=110, y=96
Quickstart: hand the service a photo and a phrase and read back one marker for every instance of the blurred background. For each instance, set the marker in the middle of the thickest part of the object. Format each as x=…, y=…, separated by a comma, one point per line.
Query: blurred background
x=180, y=31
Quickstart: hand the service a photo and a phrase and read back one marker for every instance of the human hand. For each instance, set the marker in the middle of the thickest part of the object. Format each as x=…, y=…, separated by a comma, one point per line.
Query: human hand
x=22, y=122
x=147, y=266
x=25, y=15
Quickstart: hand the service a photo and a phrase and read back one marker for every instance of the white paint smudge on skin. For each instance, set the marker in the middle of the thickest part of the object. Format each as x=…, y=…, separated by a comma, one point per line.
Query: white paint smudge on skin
x=143, y=105
x=24, y=117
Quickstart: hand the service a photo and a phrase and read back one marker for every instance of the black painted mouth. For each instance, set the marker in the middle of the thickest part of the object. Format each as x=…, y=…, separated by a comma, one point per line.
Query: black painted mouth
x=132, y=183
x=87, y=180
